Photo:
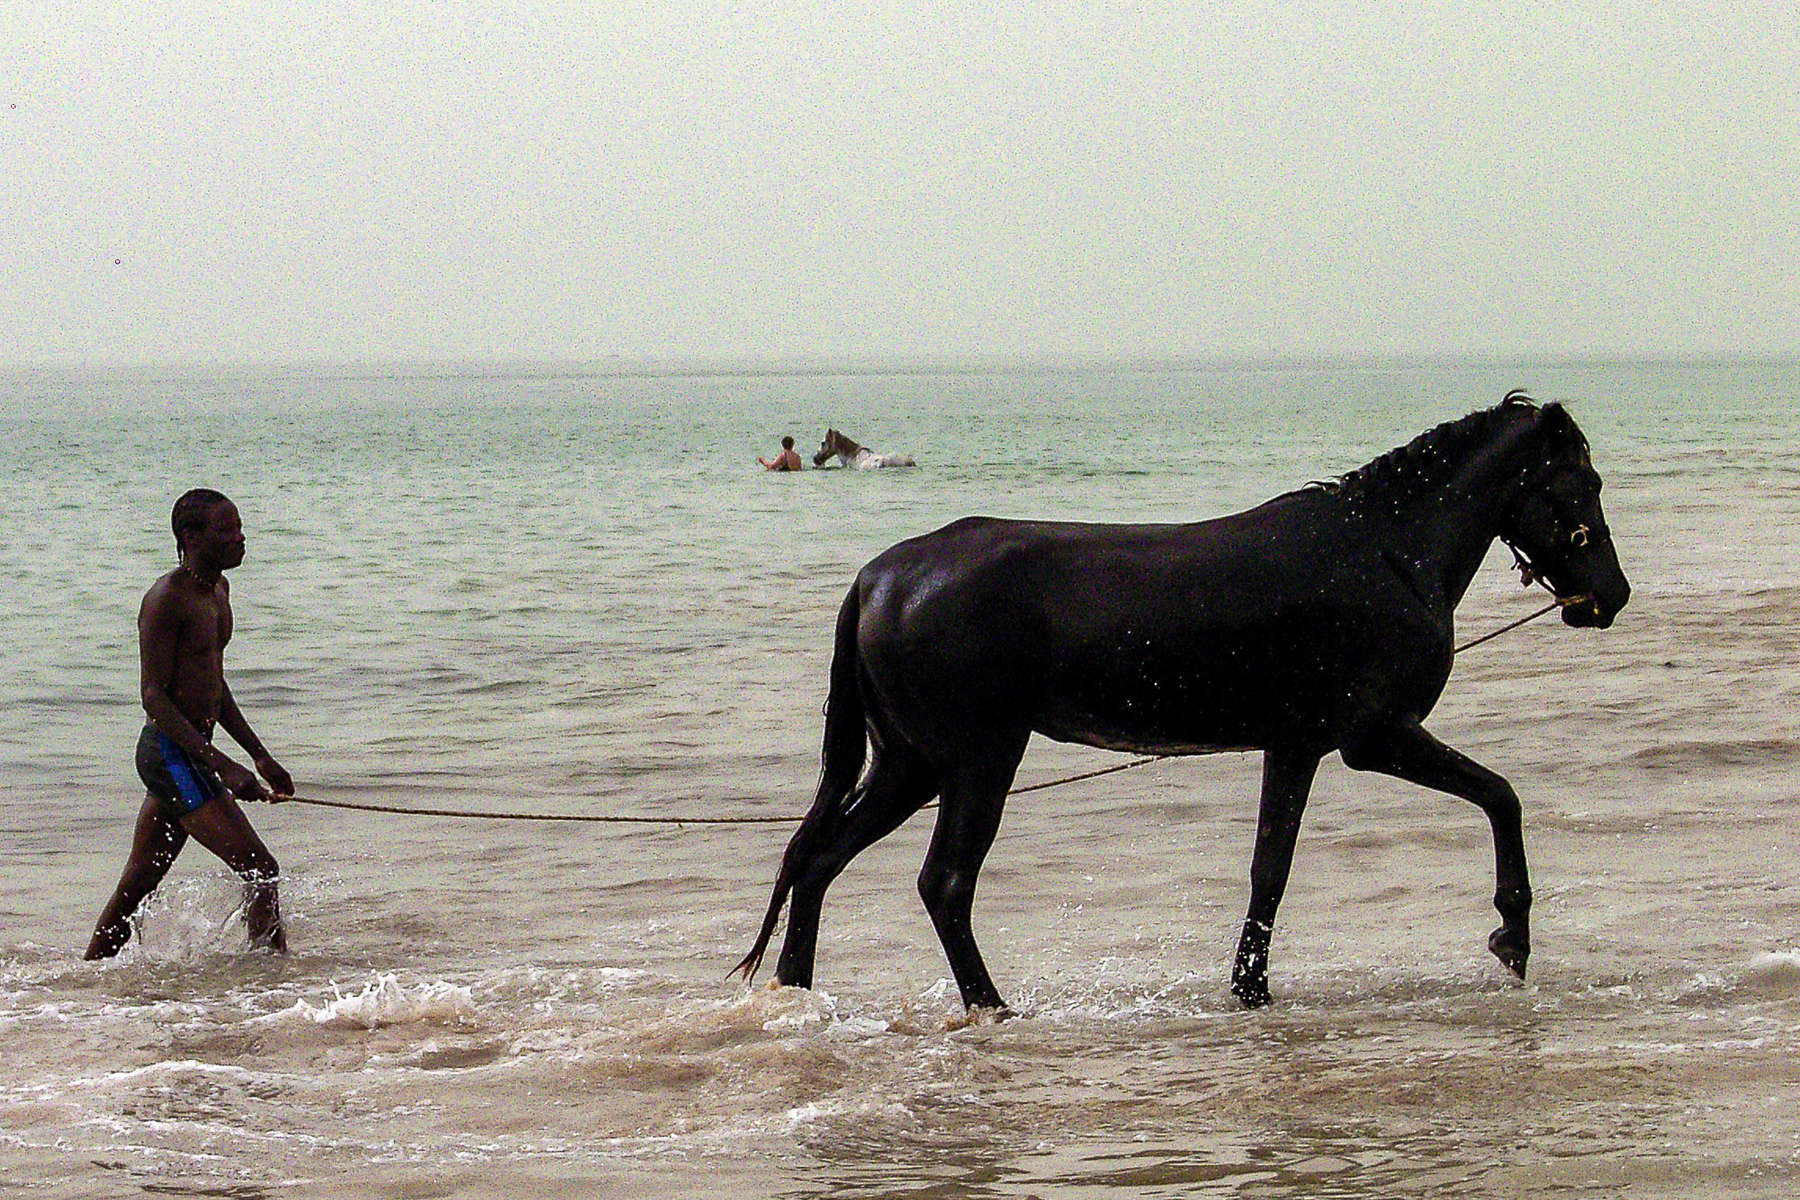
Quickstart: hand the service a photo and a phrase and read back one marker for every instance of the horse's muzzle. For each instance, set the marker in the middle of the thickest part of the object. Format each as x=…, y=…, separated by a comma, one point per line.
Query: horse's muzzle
x=1596, y=609
x=1586, y=613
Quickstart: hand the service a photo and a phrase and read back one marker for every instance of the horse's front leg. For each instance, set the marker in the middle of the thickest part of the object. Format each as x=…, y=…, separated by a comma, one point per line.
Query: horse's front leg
x=1287, y=779
x=1408, y=752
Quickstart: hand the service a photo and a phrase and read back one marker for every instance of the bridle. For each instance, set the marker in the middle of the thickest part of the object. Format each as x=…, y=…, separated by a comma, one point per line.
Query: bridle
x=1579, y=537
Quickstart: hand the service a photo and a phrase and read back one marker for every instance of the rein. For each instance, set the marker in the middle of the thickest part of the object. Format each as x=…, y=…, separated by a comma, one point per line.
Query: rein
x=1551, y=607
x=1530, y=577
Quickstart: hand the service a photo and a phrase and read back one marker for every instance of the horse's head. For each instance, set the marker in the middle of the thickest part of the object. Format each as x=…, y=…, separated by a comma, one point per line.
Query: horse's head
x=1556, y=528
x=828, y=447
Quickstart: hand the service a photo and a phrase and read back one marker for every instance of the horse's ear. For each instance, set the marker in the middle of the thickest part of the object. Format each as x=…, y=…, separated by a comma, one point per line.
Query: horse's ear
x=1560, y=427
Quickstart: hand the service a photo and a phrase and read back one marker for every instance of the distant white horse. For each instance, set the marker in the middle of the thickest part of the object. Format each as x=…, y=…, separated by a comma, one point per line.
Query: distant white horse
x=850, y=454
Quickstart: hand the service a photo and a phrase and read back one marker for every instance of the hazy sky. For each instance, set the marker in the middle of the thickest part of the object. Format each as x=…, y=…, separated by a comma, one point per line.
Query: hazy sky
x=388, y=180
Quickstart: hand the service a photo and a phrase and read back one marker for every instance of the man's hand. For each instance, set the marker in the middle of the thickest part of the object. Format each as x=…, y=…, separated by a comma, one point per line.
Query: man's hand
x=239, y=781
x=279, y=780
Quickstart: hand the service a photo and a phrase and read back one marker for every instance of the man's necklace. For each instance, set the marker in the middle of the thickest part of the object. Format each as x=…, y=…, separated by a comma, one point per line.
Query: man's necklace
x=197, y=577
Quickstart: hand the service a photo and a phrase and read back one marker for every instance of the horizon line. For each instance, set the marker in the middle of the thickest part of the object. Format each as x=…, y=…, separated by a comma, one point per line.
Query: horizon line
x=649, y=365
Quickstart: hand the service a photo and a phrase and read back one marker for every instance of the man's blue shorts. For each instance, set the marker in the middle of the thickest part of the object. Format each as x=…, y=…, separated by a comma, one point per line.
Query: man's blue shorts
x=171, y=775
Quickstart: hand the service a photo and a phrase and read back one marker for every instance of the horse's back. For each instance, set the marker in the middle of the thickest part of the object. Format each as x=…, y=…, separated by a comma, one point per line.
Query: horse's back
x=866, y=459
x=983, y=579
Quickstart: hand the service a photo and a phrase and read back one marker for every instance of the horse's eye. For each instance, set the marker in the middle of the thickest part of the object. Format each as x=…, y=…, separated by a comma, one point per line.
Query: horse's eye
x=1580, y=536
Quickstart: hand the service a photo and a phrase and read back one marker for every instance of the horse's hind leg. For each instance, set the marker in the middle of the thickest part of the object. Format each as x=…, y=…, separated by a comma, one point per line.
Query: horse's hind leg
x=1287, y=779
x=899, y=784
x=967, y=822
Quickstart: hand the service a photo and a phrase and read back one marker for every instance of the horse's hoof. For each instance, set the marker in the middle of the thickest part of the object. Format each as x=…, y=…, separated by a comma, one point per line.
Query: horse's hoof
x=1511, y=948
x=979, y=1014
x=1252, y=993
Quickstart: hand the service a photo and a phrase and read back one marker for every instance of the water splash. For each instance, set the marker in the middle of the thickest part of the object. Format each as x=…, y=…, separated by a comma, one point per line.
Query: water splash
x=386, y=1001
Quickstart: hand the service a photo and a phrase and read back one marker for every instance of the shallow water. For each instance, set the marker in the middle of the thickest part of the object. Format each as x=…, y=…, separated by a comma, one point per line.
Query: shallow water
x=565, y=592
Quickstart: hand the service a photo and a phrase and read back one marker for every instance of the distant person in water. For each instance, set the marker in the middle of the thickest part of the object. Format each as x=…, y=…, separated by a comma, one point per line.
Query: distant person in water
x=193, y=787
x=787, y=460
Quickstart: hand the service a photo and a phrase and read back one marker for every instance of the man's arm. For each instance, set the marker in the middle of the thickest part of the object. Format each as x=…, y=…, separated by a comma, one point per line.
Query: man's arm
x=231, y=720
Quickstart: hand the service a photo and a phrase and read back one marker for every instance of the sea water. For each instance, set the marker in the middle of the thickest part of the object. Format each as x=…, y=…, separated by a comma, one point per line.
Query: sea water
x=573, y=591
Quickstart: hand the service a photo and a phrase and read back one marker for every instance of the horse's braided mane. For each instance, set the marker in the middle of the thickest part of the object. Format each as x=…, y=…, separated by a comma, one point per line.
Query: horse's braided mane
x=1428, y=459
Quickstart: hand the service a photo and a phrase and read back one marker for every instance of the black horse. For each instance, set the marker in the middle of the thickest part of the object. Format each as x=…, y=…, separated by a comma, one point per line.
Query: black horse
x=1318, y=621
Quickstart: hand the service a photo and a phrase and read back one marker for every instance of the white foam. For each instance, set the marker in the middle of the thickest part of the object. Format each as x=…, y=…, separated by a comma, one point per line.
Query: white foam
x=818, y=1112
x=799, y=1008
x=803, y=1010
x=856, y=1028
x=386, y=1001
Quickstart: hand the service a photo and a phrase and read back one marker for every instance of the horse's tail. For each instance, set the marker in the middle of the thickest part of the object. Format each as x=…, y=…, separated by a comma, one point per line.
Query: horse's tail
x=841, y=763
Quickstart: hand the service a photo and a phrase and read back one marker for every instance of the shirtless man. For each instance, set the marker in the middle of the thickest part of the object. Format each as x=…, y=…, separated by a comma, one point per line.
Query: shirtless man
x=194, y=788
x=787, y=460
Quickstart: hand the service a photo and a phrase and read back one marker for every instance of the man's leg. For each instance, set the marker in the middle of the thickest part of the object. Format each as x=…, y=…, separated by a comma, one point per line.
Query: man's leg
x=155, y=842
x=221, y=826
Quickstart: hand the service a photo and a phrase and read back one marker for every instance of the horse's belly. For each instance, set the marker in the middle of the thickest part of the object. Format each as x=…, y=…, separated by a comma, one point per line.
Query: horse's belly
x=1144, y=725
x=1176, y=704
x=1142, y=741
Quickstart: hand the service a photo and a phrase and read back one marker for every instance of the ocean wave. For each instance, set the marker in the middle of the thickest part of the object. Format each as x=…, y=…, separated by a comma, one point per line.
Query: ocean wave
x=1771, y=975
x=1702, y=755
x=1774, y=974
x=159, y=1069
